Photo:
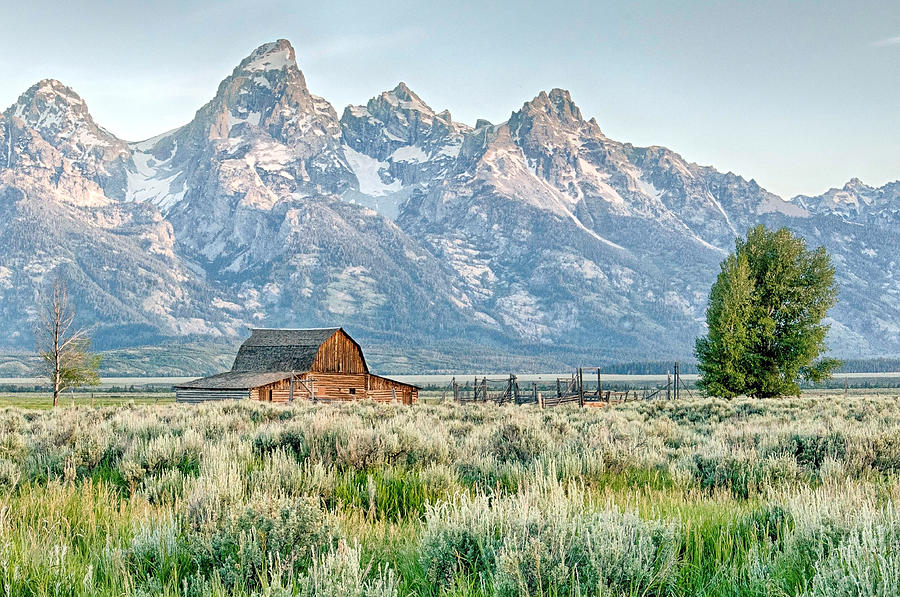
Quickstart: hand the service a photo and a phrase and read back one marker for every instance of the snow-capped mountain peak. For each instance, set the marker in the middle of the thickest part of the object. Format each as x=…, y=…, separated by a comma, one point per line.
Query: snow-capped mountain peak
x=276, y=55
x=62, y=117
x=261, y=139
x=853, y=199
x=59, y=117
x=48, y=98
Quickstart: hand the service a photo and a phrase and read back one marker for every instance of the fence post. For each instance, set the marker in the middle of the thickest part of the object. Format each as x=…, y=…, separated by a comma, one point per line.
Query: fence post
x=599, y=385
x=677, y=380
x=580, y=387
x=668, y=385
x=558, y=389
x=534, y=389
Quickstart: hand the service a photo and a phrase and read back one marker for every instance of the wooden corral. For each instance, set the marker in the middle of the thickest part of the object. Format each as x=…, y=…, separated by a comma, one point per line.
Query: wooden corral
x=286, y=365
x=569, y=390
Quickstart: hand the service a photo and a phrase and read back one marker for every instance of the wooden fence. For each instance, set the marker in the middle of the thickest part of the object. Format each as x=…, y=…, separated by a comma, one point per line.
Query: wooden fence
x=569, y=390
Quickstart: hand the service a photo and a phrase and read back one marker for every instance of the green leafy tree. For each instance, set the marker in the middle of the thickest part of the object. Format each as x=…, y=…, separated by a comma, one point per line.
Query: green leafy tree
x=765, y=318
x=723, y=352
x=65, y=350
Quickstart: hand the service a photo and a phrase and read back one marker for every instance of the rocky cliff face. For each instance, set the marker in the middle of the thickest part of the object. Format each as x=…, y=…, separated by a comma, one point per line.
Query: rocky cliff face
x=55, y=217
x=397, y=144
x=539, y=234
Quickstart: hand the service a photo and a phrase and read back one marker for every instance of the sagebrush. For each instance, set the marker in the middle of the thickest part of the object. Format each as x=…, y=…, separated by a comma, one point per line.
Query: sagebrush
x=696, y=497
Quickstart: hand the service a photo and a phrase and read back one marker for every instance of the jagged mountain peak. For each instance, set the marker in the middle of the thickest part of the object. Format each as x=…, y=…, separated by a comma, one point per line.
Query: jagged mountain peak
x=557, y=104
x=400, y=98
x=51, y=87
x=62, y=117
x=404, y=104
x=49, y=113
x=50, y=106
x=399, y=117
x=267, y=76
x=262, y=138
x=856, y=184
x=855, y=197
x=276, y=55
x=403, y=92
x=268, y=90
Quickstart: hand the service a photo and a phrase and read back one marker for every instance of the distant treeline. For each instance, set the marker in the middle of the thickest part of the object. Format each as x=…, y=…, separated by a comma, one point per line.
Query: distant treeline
x=649, y=368
x=876, y=365
x=879, y=365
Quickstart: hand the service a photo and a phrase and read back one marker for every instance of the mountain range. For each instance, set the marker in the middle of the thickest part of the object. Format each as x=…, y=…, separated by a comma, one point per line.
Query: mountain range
x=431, y=239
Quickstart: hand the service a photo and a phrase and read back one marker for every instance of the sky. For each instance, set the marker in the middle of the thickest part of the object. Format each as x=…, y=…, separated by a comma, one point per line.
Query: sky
x=800, y=96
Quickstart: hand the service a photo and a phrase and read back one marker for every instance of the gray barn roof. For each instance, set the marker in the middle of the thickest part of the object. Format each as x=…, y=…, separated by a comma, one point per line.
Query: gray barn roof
x=268, y=350
x=235, y=380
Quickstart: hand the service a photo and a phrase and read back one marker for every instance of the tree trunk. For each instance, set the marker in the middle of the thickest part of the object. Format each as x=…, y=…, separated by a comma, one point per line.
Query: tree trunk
x=57, y=374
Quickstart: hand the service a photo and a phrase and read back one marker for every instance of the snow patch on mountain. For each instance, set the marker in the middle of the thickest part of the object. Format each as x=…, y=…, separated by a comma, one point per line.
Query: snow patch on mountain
x=777, y=205
x=409, y=153
x=273, y=56
x=368, y=172
x=150, y=181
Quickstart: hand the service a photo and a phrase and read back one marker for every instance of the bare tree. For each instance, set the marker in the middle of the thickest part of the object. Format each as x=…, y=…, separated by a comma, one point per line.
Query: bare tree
x=65, y=350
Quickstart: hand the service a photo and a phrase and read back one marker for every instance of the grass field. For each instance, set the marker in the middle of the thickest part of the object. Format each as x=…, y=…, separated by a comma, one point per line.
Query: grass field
x=797, y=496
x=43, y=400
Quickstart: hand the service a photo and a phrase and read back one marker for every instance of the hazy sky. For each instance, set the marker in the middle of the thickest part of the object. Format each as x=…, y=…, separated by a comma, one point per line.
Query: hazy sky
x=800, y=96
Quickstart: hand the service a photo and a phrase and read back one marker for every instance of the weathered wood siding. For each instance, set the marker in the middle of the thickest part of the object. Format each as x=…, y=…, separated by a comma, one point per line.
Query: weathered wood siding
x=382, y=389
x=338, y=386
x=279, y=391
x=198, y=395
x=339, y=354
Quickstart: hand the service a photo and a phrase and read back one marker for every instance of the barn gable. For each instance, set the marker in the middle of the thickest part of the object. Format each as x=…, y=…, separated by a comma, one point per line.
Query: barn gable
x=326, y=350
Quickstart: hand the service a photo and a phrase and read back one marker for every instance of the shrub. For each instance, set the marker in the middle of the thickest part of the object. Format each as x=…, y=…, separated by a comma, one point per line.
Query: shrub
x=547, y=540
x=340, y=573
x=865, y=563
x=811, y=450
x=266, y=536
x=515, y=442
x=603, y=553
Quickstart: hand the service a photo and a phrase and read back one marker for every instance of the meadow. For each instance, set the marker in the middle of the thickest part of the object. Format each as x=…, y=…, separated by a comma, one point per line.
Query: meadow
x=797, y=496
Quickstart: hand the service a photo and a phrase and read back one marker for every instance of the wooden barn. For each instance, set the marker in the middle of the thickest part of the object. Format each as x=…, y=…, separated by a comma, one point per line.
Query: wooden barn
x=311, y=364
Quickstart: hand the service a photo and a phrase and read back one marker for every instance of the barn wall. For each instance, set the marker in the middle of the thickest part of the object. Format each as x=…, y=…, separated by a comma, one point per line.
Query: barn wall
x=327, y=386
x=339, y=354
x=202, y=395
x=382, y=389
x=281, y=391
x=339, y=386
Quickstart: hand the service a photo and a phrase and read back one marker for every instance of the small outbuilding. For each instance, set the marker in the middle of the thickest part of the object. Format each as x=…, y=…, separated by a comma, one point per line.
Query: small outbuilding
x=277, y=365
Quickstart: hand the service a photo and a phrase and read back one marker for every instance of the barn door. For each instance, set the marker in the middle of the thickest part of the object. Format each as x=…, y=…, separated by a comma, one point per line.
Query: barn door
x=268, y=394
